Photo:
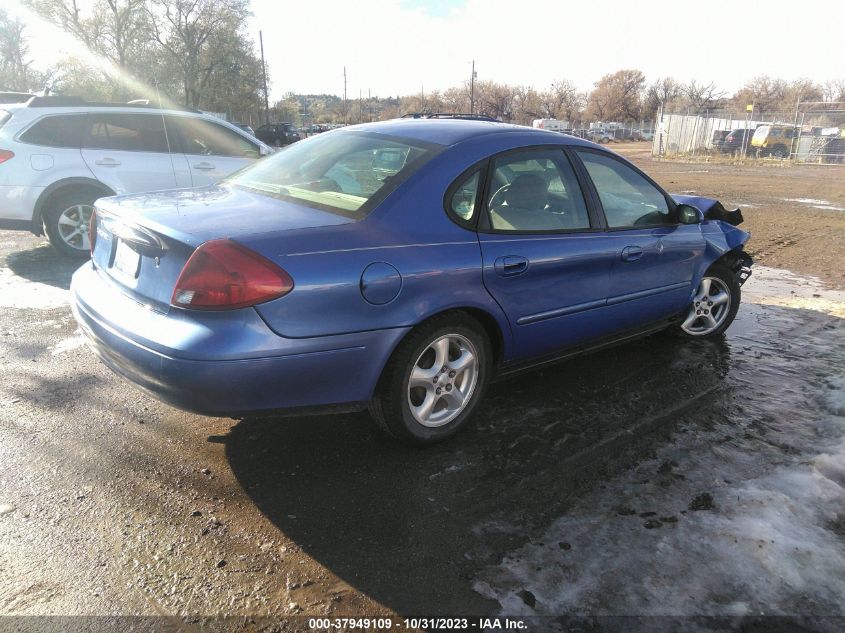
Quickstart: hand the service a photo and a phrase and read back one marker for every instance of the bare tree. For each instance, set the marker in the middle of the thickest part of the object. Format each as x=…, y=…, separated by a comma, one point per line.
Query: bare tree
x=701, y=96
x=834, y=90
x=665, y=92
x=617, y=96
x=15, y=65
x=562, y=101
x=197, y=37
x=115, y=30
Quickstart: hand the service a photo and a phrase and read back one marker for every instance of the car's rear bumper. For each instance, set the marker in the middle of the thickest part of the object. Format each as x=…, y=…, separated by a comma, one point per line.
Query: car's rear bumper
x=191, y=361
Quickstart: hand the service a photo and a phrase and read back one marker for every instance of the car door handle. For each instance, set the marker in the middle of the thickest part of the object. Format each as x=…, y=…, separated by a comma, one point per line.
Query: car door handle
x=631, y=253
x=510, y=265
x=107, y=162
x=204, y=165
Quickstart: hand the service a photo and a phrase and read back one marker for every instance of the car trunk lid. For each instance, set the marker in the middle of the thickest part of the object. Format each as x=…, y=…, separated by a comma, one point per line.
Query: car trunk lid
x=143, y=241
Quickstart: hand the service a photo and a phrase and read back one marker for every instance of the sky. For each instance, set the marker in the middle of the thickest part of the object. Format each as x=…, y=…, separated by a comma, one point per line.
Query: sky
x=393, y=47
x=403, y=47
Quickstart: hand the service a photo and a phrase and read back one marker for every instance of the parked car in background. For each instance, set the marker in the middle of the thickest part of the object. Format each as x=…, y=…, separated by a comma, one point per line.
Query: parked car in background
x=718, y=139
x=246, y=128
x=399, y=265
x=736, y=140
x=59, y=154
x=600, y=136
x=552, y=125
x=277, y=134
x=773, y=140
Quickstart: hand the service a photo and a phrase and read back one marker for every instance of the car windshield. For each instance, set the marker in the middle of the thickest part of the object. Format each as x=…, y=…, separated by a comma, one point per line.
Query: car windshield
x=342, y=172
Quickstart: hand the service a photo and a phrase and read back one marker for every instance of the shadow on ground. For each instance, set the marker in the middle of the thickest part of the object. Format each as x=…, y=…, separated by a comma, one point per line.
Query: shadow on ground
x=410, y=527
x=43, y=264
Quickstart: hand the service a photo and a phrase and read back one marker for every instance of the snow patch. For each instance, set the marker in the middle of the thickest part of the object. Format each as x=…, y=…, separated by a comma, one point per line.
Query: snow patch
x=776, y=287
x=68, y=344
x=816, y=204
x=834, y=396
x=770, y=533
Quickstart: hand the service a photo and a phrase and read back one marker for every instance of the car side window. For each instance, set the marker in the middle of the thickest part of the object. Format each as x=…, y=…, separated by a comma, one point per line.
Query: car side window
x=628, y=199
x=206, y=138
x=462, y=202
x=535, y=191
x=126, y=132
x=57, y=131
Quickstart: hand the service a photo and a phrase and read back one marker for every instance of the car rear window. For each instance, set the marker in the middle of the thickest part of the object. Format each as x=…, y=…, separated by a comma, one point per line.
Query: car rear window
x=62, y=130
x=342, y=172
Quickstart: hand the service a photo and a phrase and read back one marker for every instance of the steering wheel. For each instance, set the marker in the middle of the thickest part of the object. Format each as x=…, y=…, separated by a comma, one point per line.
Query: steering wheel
x=500, y=193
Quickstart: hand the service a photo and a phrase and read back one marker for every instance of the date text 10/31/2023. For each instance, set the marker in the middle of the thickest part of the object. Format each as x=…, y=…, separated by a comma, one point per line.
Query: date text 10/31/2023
x=386, y=624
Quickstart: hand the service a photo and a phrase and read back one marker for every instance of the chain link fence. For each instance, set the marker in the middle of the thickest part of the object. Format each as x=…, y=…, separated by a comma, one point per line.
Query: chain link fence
x=810, y=133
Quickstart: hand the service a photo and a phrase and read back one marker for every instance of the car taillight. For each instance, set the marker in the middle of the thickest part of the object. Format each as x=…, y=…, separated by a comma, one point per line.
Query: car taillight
x=223, y=275
x=92, y=231
x=6, y=155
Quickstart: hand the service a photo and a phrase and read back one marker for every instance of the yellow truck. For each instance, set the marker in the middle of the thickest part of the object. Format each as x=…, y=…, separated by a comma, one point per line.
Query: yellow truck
x=774, y=140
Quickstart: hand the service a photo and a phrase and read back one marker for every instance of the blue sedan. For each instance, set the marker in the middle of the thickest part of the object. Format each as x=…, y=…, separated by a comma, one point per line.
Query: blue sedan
x=399, y=266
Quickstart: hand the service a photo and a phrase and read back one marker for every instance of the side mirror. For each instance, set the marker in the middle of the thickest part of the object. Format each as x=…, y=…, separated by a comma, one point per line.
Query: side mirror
x=688, y=214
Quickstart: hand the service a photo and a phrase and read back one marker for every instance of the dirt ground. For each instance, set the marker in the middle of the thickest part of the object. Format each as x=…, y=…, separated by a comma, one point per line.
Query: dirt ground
x=795, y=213
x=710, y=472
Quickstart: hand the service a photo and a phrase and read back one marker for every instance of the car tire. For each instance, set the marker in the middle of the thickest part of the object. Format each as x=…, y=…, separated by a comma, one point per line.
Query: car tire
x=66, y=218
x=714, y=305
x=452, y=351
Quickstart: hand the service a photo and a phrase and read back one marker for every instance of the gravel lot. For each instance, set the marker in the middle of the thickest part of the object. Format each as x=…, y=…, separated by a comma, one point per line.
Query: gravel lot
x=796, y=213
x=663, y=477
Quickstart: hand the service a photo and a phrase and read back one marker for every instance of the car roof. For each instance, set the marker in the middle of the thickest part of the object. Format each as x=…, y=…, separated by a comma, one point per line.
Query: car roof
x=453, y=131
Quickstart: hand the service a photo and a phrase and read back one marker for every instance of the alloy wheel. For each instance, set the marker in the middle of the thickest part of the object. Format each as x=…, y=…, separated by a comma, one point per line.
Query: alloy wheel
x=442, y=380
x=709, y=309
x=73, y=226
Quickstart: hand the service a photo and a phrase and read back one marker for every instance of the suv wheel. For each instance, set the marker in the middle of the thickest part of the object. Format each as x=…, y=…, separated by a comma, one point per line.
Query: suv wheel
x=434, y=380
x=66, y=221
x=779, y=151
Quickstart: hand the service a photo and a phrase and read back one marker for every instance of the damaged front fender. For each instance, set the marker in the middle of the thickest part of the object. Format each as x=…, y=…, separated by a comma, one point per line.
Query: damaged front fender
x=724, y=241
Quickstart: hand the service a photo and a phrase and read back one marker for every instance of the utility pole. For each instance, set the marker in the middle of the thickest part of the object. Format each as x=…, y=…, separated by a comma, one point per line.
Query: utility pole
x=345, y=106
x=264, y=78
x=472, y=89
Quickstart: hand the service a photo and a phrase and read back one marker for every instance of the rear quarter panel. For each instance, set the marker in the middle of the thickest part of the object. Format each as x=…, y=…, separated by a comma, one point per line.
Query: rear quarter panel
x=439, y=262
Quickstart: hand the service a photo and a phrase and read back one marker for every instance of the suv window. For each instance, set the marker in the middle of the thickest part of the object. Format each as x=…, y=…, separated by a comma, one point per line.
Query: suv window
x=64, y=130
x=628, y=199
x=126, y=132
x=536, y=191
x=206, y=138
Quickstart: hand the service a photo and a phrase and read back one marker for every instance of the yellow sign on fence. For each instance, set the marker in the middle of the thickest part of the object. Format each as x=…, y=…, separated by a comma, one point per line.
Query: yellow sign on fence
x=749, y=107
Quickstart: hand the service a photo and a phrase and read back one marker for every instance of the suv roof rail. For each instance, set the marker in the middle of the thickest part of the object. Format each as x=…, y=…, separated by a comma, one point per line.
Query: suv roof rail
x=449, y=115
x=70, y=101
x=15, y=97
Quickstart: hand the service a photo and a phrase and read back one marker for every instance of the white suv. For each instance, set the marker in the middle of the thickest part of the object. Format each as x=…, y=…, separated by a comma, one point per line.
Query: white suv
x=60, y=154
